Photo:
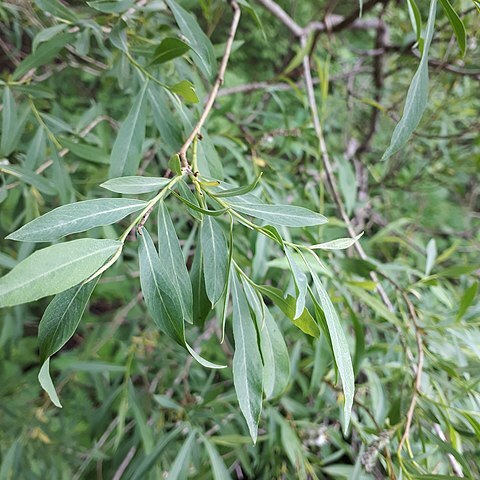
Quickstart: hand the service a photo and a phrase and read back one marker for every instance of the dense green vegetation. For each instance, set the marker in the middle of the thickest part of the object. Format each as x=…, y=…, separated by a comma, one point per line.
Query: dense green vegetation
x=264, y=269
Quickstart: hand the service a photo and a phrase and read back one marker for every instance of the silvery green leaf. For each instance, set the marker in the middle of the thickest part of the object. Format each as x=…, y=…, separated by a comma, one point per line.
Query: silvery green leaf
x=247, y=361
x=135, y=185
x=76, y=217
x=286, y=215
x=215, y=258
x=417, y=95
x=127, y=149
x=55, y=269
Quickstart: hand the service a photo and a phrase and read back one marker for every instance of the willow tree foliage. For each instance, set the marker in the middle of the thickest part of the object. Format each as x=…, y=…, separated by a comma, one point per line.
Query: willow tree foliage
x=131, y=148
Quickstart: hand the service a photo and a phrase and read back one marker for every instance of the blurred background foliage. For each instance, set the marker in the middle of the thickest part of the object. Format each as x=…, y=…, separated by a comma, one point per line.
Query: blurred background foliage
x=136, y=406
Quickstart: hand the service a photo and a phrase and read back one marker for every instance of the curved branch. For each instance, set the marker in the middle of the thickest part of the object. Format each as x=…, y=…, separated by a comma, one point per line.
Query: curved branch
x=216, y=86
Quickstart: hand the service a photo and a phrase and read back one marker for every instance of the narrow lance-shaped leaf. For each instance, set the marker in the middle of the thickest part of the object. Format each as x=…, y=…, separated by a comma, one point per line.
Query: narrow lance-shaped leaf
x=300, y=280
x=417, y=95
x=286, y=215
x=162, y=298
x=28, y=176
x=415, y=18
x=219, y=470
x=337, y=244
x=57, y=326
x=180, y=464
x=305, y=322
x=135, y=185
x=203, y=56
x=57, y=9
x=339, y=343
x=238, y=191
x=170, y=130
x=47, y=34
x=457, y=24
x=127, y=149
x=9, y=122
x=76, y=217
x=247, y=361
x=275, y=358
x=200, y=299
x=55, y=269
x=43, y=55
x=215, y=258
x=171, y=257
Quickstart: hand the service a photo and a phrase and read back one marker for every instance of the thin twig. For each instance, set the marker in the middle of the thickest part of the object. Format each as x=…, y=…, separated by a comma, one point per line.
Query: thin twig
x=126, y=461
x=331, y=23
x=216, y=86
x=283, y=86
x=418, y=373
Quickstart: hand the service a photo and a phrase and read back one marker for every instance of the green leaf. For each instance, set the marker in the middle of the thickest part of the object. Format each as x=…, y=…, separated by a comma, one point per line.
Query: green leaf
x=203, y=54
x=305, y=322
x=61, y=318
x=148, y=462
x=111, y=6
x=57, y=9
x=61, y=177
x=417, y=95
x=219, y=470
x=86, y=152
x=275, y=358
x=187, y=194
x=247, y=361
x=47, y=34
x=339, y=343
x=36, y=150
x=173, y=263
x=301, y=284
x=431, y=256
x=127, y=149
x=76, y=217
x=170, y=130
x=169, y=49
x=180, y=464
x=46, y=383
x=467, y=299
x=162, y=298
x=286, y=215
x=237, y=191
x=338, y=244
x=57, y=326
x=457, y=25
x=195, y=207
x=415, y=18
x=54, y=269
x=186, y=90
x=135, y=185
x=160, y=295
x=9, y=123
x=215, y=258
x=43, y=55
x=174, y=164
x=201, y=301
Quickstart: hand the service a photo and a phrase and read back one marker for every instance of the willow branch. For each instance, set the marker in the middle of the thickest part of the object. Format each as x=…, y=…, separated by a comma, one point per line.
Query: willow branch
x=216, y=86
